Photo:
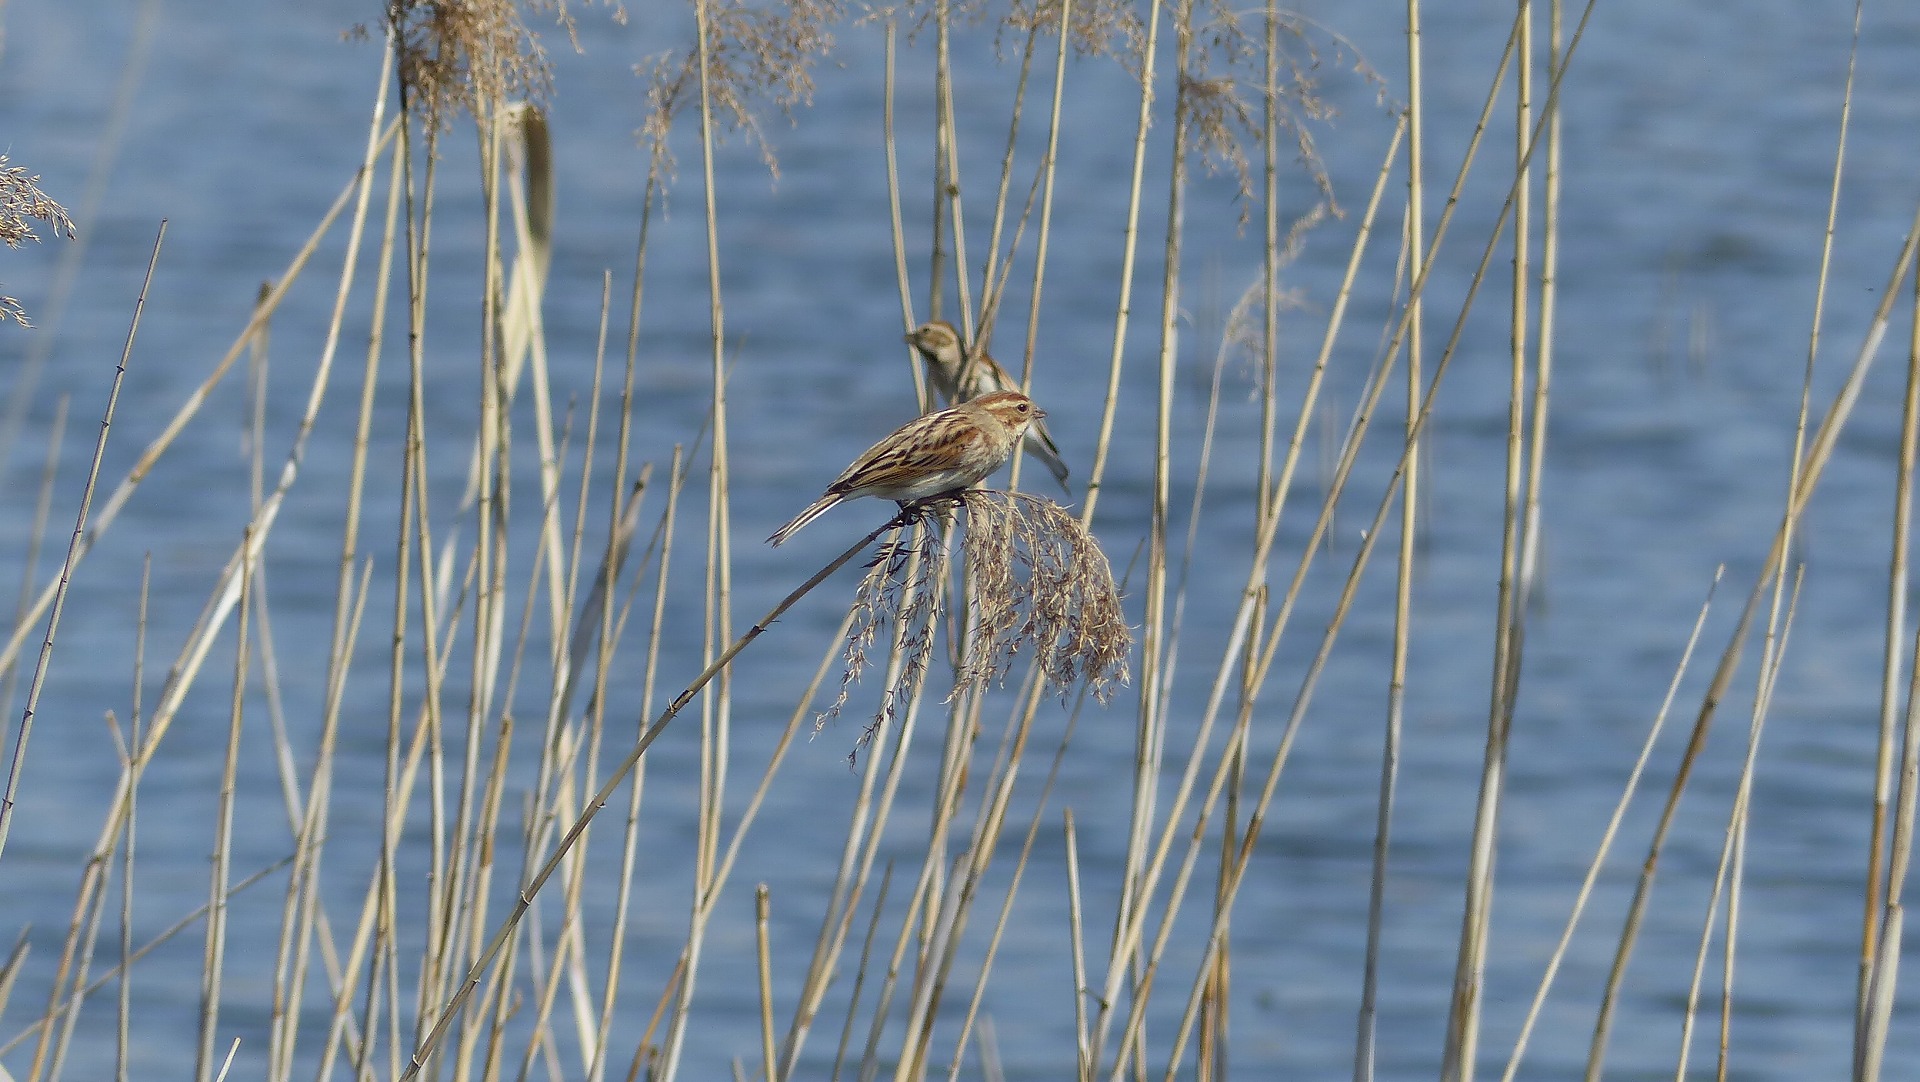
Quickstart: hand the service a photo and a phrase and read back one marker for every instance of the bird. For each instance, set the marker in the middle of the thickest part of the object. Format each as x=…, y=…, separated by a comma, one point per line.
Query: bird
x=939, y=343
x=932, y=455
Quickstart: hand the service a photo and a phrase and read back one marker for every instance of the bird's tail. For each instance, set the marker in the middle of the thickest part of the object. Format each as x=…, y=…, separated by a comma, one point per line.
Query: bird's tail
x=1041, y=446
x=813, y=511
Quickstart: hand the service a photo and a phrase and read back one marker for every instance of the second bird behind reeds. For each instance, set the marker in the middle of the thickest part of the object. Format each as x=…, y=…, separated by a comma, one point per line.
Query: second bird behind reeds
x=958, y=381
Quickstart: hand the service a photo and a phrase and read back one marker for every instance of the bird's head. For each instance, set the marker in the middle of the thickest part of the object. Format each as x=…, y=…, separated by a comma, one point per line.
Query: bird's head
x=1011, y=408
x=938, y=341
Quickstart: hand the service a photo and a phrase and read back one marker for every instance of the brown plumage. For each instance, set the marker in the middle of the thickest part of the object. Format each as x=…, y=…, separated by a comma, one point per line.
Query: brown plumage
x=933, y=454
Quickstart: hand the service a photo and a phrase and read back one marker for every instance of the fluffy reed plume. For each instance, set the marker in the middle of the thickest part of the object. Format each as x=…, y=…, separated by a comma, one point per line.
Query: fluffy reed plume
x=901, y=589
x=21, y=204
x=479, y=53
x=1035, y=578
x=1098, y=28
x=754, y=55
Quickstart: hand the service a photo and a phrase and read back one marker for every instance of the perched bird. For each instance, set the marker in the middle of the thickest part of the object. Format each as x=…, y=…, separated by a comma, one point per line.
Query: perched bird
x=935, y=453
x=946, y=358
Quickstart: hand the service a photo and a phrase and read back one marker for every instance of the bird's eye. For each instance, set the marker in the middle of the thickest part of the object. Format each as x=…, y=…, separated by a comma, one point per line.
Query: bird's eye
x=1025, y=408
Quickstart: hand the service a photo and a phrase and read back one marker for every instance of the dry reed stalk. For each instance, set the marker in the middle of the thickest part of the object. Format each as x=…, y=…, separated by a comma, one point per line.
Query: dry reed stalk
x=1130, y=933
x=944, y=176
x=487, y=732
x=123, y=1016
x=716, y=704
x=1806, y=479
x=922, y=392
x=1413, y=243
x=1740, y=816
x=1076, y=937
x=1123, y=305
x=1607, y=837
x=76, y=546
x=602, y=604
x=1463, y=1032
x=368, y=948
x=10, y=972
x=1049, y=172
x=1873, y=1005
x=1725, y=886
x=868, y=819
x=305, y=923
x=83, y=934
x=1205, y=1009
x=213, y=966
x=763, y=955
x=983, y=845
x=1145, y=767
x=795, y=722
x=1211, y=1056
x=42, y=515
x=1880, y=955
x=1871, y=980
x=989, y=295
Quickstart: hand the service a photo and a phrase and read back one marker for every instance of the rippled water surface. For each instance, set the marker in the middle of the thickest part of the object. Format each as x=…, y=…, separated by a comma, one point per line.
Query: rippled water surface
x=1699, y=145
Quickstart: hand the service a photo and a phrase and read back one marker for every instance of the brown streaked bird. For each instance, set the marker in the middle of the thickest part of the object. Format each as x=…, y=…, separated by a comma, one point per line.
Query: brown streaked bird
x=946, y=357
x=933, y=454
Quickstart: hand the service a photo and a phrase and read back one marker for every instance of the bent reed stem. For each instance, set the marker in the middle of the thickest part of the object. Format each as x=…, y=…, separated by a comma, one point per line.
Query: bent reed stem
x=476, y=973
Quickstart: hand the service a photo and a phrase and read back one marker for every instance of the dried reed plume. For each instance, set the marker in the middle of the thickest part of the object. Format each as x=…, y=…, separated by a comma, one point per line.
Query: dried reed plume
x=1037, y=578
x=901, y=588
x=21, y=204
x=472, y=55
x=1034, y=578
x=753, y=55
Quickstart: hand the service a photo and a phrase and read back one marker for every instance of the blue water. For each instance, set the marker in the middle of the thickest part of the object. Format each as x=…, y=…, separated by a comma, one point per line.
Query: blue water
x=1699, y=149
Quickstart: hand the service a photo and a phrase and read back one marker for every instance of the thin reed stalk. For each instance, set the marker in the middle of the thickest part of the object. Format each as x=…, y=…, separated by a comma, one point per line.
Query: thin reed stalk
x=123, y=1037
x=1807, y=478
x=1607, y=838
x=213, y=966
x=1876, y=1009
x=16, y=759
x=1130, y=233
x=42, y=515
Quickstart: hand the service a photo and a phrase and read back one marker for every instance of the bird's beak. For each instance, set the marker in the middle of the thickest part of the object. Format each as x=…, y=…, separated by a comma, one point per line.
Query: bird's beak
x=906, y=338
x=1038, y=413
